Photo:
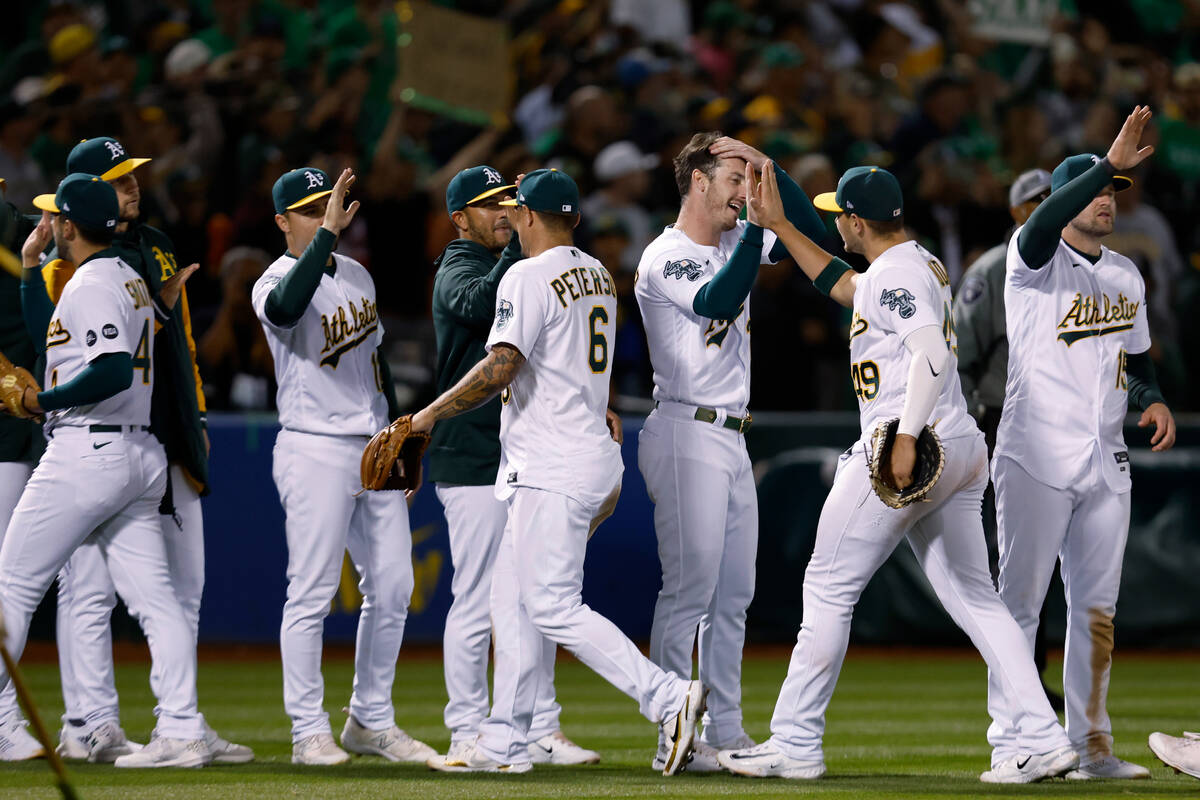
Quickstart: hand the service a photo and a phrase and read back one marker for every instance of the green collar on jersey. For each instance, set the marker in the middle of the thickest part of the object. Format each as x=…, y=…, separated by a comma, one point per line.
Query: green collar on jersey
x=1092, y=259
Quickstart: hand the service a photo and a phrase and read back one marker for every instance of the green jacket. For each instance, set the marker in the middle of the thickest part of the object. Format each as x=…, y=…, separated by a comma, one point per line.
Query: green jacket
x=466, y=448
x=178, y=414
x=20, y=439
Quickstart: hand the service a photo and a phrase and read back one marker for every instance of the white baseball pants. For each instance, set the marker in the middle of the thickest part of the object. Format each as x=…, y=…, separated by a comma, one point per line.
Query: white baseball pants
x=104, y=488
x=476, y=521
x=13, y=477
x=86, y=598
x=318, y=478
x=1085, y=525
x=537, y=601
x=706, y=520
x=855, y=535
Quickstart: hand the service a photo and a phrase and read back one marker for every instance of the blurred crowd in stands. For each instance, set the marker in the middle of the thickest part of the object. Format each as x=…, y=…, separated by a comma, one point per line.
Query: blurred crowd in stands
x=225, y=95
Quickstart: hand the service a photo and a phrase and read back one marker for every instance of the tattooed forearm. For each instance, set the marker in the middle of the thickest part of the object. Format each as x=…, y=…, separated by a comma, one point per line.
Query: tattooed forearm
x=485, y=380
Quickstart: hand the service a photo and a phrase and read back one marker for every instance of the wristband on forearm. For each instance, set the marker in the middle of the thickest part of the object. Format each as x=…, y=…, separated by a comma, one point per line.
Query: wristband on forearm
x=829, y=276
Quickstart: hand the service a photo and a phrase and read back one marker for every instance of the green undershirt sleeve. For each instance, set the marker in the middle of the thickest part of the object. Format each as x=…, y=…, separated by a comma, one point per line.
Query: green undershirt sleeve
x=36, y=307
x=799, y=211
x=288, y=301
x=722, y=296
x=104, y=377
x=389, y=385
x=1142, y=381
x=1038, y=239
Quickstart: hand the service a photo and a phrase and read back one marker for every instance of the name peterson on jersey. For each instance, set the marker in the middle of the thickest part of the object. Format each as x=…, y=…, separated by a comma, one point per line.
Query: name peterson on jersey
x=558, y=309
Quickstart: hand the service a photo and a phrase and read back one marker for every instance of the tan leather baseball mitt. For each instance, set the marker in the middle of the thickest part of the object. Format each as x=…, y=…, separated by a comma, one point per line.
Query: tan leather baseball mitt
x=931, y=460
x=13, y=382
x=392, y=459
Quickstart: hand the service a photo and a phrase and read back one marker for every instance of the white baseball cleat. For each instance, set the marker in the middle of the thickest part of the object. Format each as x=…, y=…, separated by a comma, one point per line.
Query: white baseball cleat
x=16, y=743
x=680, y=730
x=224, y=751
x=1180, y=754
x=391, y=743
x=166, y=752
x=1030, y=767
x=103, y=744
x=318, y=750
x=72, y=743
x=556, y=748
x=469, y=759
x=768, y=761
x=1108, y=767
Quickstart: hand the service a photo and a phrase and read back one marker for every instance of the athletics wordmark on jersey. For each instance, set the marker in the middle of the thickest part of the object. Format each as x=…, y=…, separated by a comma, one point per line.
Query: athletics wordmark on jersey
x=346, y=329
x=56, y=334
x=718, y=329
x=1090, y=316
x=578, y=282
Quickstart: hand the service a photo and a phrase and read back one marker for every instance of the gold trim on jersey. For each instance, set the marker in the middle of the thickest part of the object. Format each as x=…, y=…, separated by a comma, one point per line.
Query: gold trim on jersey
x=56, y=334
x=348, y=321
x=858, y=325
x=718, y=329
x=1090, y=316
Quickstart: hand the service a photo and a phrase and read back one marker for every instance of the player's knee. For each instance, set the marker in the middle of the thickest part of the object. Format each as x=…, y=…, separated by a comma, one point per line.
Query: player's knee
x=548, y=612
x=391, y=589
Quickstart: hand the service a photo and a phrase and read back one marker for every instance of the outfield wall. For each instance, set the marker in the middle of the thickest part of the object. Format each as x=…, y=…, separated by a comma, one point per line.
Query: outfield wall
x=794, y=455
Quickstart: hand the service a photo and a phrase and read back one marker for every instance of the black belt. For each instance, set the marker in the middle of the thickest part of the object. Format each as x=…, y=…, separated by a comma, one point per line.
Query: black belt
x=117, y=428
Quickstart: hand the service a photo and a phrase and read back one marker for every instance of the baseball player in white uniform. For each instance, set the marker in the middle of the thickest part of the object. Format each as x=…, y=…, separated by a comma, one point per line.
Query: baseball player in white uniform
x=903, y=365
x=103, y=474
x=692, y=288
x=318, y=311
x=1078, y=341
x=560, y=473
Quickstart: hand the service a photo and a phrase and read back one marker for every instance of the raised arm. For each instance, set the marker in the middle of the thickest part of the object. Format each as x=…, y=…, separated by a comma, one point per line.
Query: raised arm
x=830, y=275
x=471, y=298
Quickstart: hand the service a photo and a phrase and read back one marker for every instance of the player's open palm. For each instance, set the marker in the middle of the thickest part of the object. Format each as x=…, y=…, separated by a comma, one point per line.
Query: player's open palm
x=1124, y=152
x=764, y=206
x=173, y=286
x=1160, y=417
x=338, y=215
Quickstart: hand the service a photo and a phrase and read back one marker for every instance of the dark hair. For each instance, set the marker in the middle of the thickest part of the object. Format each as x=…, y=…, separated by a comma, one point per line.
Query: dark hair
x=888, y=227
x=693, y=156
x=100, y=236
x=558, y=223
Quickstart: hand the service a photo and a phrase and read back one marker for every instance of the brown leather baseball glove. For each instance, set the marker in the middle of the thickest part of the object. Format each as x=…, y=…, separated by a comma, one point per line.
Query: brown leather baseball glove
x=13, y=382
x=392, y=459
x=931, y=460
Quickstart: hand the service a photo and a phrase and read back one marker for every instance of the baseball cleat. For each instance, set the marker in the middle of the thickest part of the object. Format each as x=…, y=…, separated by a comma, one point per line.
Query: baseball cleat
x=1180, y=754
x=469, y=759
x=166, y=752
x=224, y=751
x=103, y=744
x=318, y=750
x=1030, y=768
x=1108, y=767
x=72, y=743
x=680, y=730
x=768, y=761
x=556, y=748
x=16, y=743
x=391, y=743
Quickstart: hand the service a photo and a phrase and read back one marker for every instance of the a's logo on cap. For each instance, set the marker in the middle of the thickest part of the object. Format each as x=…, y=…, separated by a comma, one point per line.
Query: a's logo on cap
x=116, y=150
x=314, y=180
x=491, y=176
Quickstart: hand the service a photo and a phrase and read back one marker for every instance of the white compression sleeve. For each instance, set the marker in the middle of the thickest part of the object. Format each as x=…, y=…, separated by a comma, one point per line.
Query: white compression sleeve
x=926, y=374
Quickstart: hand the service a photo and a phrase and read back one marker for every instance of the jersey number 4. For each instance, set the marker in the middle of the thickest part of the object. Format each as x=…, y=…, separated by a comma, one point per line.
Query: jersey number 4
x=598, y=349
x=141, y=353
x=865, y=375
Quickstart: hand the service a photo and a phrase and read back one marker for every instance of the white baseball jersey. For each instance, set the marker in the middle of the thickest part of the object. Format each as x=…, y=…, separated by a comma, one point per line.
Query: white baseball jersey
x=697, y=361
x=105, y=308
x=1070, y=325
x=559, y=309
x=326, y=364
x=904, y=289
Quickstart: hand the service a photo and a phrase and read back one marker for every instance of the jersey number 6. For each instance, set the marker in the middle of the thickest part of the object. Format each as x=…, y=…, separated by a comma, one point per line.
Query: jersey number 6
x=598, y=351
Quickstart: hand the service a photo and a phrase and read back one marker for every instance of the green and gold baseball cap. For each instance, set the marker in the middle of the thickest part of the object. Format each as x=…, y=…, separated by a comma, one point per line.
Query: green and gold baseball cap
x=870, y=192
x=86, y=199
x=1074, y=166
x=472, y=185
x=548, y=191
x=299, y=188
x=103, y=156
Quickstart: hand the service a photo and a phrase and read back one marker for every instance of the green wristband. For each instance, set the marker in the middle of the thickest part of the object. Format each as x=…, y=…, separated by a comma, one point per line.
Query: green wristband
x=829, y=276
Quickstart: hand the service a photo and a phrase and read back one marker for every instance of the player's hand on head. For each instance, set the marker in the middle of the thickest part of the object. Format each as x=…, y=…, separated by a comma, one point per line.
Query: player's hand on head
x=1124, y=152
x=172, y=287
x=728, y=147
x=338, y=215
x=1164, y=426
x=35, y=243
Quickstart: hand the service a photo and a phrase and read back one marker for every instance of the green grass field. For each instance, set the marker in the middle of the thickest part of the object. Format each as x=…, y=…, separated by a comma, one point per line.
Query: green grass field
x=901, y=725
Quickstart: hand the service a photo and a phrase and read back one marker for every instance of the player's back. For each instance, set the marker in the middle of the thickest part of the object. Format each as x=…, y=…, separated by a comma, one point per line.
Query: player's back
x=559, y=310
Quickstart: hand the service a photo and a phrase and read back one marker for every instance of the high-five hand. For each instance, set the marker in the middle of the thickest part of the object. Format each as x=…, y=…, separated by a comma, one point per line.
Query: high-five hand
x=1124, y=153
x=337, y=215
x=764, y=206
